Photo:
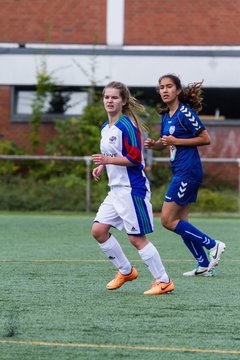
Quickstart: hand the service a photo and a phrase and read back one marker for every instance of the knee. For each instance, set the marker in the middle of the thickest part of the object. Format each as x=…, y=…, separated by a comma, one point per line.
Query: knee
x=134, y=241
x=99, y=233
x=96, y=233
x=138, y=242
x=166, y=222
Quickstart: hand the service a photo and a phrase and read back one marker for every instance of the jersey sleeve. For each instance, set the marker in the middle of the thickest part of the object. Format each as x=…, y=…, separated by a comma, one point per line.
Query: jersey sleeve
x=131, y=141
x=132, y=147
x=190, y=120
x=162, y=123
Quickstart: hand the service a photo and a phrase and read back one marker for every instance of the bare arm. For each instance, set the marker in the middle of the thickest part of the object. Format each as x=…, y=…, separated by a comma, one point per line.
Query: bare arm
x=155, y=145
x=201, y=139
x=101, y=159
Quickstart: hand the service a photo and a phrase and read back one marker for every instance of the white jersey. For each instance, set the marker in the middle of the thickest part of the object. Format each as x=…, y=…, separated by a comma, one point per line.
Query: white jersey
x=124, y=139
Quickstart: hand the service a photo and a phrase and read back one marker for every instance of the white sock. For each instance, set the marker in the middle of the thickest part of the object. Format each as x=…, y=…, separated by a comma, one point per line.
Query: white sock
x=152, y=260
x=114, y=252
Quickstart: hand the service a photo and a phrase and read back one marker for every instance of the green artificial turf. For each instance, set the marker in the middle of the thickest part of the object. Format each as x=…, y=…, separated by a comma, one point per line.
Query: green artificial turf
x=53, y=302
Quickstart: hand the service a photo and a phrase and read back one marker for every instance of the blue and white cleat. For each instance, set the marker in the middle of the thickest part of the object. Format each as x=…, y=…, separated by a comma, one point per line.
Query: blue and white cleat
x=200, y=271
x=215, y=254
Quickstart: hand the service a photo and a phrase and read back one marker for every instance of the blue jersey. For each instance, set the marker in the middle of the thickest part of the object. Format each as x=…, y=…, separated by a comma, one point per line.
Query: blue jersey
x=185, y=160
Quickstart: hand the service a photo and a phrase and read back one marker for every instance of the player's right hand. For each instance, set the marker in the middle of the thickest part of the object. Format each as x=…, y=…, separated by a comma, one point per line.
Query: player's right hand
x=149, y=143
x=97, y=172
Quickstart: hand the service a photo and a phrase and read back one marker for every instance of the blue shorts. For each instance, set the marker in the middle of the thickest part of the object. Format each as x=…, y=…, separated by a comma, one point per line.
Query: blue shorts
x=182, y=192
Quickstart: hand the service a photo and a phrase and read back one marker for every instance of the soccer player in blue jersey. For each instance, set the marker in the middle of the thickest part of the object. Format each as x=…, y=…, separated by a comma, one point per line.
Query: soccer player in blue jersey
x=182, y=131
x=127, y=205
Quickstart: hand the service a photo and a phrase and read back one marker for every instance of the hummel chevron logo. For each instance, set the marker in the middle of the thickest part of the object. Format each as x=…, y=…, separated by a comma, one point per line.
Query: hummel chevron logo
x=190, y=116
x=182, y=189
x=206, y=241
x=200, y=259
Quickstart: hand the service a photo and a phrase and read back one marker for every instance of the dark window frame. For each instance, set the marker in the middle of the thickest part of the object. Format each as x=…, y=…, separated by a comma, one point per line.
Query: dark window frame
x=224, y=99
x=47, y=117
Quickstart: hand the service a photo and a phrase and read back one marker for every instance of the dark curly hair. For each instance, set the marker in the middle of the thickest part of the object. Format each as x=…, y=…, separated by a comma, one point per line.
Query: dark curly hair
x=190, y=95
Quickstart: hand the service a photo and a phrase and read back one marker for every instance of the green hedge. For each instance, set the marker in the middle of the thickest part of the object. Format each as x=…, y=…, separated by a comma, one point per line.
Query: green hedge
x=68, y=193
x=207, y=201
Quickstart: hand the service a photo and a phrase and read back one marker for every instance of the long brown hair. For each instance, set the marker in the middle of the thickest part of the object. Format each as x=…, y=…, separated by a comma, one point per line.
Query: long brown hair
x=132, y=105
x=190, y=95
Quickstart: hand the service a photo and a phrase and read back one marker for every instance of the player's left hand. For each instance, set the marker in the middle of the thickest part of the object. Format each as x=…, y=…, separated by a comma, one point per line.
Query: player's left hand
x=149, y=143
x=168, y=140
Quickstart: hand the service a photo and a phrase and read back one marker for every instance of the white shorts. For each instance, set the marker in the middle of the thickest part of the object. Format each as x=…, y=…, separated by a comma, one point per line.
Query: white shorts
x=123, y=210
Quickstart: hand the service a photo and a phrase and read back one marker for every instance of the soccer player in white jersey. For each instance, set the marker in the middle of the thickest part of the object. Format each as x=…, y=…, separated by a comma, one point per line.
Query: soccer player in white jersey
x=127, y=205
x=182, y=131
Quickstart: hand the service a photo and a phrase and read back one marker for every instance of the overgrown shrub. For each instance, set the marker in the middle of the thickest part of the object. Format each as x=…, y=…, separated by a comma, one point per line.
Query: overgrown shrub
x=68, y=193
x=9, y=167
x=208, y=200
x=28, y=195
x=64, y=193
x=216, y=201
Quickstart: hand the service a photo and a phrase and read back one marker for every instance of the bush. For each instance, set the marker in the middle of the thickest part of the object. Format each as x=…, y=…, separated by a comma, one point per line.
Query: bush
x=65, y=193
x=208, y=200
x=216, y=201
x=9, y=167
x=21, y=194
x=68, y=193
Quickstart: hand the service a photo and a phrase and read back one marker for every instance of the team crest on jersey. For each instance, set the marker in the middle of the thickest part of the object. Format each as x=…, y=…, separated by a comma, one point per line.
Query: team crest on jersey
x=112, y=139
x=171, y=130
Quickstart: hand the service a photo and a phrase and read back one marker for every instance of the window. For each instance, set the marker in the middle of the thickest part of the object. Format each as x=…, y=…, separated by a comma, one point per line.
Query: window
x=62, y=102
x=219, y=103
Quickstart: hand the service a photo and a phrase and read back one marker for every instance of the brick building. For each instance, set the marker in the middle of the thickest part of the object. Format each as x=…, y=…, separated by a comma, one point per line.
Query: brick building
x=134, y=41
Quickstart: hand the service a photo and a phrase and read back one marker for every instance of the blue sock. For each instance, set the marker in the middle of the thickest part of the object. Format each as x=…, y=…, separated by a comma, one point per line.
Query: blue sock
x=198, y=252
x=190, y=233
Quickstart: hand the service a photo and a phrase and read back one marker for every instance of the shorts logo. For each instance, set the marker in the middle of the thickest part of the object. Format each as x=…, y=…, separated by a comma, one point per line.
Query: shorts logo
x=133, y=229
x=182, y=189
x=112, y=139
x=171, y=130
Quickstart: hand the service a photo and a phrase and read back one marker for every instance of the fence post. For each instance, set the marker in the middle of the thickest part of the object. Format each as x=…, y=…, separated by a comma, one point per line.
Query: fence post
x=88, y=182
